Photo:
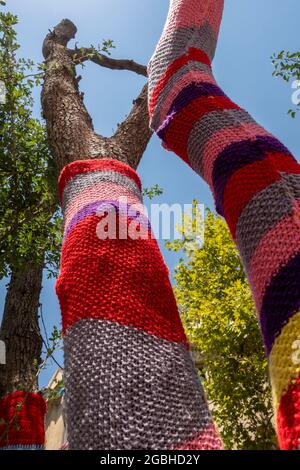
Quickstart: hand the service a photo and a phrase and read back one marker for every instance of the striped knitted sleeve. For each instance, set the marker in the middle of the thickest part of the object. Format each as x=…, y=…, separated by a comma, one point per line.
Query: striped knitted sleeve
x=254, y=179
x=22, y=421
x=129, y=377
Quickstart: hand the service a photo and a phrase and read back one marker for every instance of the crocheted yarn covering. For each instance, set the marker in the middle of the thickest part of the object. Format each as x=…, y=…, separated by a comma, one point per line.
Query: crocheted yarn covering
x=22, y=421
x=129, y=377
x=254, y=179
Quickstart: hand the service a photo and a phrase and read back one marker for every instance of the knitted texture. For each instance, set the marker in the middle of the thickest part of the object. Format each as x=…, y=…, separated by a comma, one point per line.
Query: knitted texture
x=129, y=377
x=22, y=421
x=254, y=179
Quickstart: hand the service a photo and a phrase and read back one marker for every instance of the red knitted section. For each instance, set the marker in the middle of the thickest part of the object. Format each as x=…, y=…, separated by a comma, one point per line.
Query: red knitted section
x=242, y=186
x=284, y=163
x=251, y=179
x=192, y=54
x=206, y=440
x=22, y=419
x=87, y=166
x=288, y=418
x=129, y=377
x=180, y=127
x=125, y=281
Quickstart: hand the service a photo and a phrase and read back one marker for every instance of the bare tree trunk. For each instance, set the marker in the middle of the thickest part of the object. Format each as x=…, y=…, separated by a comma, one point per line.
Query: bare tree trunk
x=69, y=125
x=20, y=331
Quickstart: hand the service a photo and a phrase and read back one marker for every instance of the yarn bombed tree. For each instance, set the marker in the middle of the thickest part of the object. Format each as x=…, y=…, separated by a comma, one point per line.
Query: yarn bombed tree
x=254, y=179
x=106, y=286
x=130, y=380
x=129, y=375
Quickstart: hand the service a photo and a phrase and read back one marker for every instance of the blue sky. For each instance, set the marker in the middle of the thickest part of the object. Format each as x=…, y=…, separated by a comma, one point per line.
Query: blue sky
x=251, y=31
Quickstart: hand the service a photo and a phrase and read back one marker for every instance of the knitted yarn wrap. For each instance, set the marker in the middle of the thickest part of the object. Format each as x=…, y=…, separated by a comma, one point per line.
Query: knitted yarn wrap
x=129, y=377
x=22, y=421
x=254, y=178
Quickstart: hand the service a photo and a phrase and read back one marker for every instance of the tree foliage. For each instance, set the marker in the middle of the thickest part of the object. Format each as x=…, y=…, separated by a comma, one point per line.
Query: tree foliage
x=220, y=320
x=287, y=66
x=30, y=224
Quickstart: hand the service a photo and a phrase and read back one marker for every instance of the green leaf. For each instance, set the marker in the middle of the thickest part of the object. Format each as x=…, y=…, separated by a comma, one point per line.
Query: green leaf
x=220, y=320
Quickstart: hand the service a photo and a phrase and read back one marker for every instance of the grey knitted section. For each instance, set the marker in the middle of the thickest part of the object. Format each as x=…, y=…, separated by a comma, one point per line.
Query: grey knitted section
x=175, y=44
x=85, y=180
x=292, y=185
x=191, y=66
x=126, y=389
x=205, y=129
x=263, y=211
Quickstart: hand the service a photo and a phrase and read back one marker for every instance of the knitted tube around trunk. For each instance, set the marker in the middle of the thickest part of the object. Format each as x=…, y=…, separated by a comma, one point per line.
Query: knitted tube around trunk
x=254, y=179
x=129, y=377
x=22, y=421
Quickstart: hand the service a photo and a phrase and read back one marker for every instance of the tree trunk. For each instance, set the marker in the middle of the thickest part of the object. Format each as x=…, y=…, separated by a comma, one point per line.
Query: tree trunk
x=20, y=331
x=70, y=129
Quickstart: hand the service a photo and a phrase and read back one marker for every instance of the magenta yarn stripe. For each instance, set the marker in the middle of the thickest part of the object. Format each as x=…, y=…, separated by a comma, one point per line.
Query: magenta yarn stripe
x=95, y=207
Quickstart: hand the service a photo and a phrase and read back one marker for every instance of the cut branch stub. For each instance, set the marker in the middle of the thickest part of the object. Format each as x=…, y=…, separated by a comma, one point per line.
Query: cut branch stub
x=61, y=34
x=81, y=55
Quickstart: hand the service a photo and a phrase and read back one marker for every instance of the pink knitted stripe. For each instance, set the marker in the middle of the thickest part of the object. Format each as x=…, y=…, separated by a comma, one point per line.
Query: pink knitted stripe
x=275, y=249
x=222, y=139
x=206, y=440
x=185, y=80
x=194, y=55
x=96, y=192
x=85, y=166
x=208, y=11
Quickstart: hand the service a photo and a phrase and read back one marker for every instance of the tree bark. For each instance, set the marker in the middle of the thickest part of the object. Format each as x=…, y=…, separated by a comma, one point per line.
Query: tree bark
x=70, y=129
x=20, y=331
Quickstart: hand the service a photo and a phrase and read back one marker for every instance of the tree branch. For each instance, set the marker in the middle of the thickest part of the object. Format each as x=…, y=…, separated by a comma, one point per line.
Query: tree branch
x=134, y=133
x=81, y=55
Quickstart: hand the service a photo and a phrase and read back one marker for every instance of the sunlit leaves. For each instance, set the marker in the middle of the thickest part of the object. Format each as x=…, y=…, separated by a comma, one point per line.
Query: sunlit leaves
x=107, y=45
x=152, y=191
x=220, y=319
x=287, y=66
x=30, y=226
